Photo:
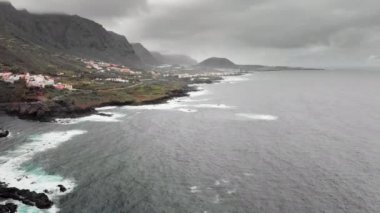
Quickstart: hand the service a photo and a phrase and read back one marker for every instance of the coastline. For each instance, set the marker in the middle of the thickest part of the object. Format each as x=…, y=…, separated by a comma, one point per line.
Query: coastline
x=12, y=196
x=47, y=111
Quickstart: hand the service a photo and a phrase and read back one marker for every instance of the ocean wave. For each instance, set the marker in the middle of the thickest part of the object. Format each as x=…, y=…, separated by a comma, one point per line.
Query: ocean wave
x=257, y=116
x=200, y=92
x=113, y=117
x=171, y=105
x=214, y=106
x=15, y=174
x=187, y=110
x=194, y=189
x=234, y=79
x=106, y=108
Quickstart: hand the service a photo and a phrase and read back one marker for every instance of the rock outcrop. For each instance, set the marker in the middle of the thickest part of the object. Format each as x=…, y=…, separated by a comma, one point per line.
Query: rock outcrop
x=40, y=200
x=46, y=111
x=4, y=133
x=8, y=208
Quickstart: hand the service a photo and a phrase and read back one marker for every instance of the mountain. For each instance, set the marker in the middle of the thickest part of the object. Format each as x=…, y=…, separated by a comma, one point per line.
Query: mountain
x=63, y=34
x=145, y=56
x=217, y=63
x=174, y=59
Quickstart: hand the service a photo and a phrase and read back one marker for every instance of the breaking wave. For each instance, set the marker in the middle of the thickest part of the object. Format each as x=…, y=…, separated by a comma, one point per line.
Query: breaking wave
x=16, y=174
x=106, y=108
x=234, y=79
x=110, y=117
x=257, y=116
x=214, y=106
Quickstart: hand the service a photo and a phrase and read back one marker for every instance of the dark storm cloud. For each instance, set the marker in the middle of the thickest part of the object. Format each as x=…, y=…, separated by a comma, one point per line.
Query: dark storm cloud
x=88, y=8
x=277, y=24
x=247, y=31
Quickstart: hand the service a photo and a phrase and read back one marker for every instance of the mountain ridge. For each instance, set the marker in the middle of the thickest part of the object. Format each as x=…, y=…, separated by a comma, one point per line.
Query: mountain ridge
x=174, y=59
x=69, y=34
x=144, y=54
x=215, y=62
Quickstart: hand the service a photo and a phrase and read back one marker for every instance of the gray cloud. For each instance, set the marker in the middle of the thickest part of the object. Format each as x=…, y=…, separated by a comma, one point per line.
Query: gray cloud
x=294, y=32
x=88, y=8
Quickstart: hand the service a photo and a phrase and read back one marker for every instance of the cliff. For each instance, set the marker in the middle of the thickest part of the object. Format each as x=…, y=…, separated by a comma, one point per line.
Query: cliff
x=145, y=55
x=174, y=59
x=58, y=33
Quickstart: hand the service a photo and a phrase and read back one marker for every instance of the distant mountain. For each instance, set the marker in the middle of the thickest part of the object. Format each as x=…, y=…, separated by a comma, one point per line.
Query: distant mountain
x=215, y=62
x=174, y=59
x=56, y=33
x=145, y=56
x=224, y=63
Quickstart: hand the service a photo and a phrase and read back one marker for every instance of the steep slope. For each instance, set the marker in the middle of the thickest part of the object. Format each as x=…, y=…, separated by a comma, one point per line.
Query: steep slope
x=145, y=56
x=217, y=63
x=66, y=34
x=174, y=59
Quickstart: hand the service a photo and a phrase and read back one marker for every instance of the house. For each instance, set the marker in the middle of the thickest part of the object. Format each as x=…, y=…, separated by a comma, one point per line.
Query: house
x=5, y=75
x=125, y=70
x=36, y=81
x=61, y=86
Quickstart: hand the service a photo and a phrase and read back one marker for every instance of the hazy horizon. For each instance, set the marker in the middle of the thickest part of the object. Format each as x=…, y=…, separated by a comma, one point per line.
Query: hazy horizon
x=332, y=33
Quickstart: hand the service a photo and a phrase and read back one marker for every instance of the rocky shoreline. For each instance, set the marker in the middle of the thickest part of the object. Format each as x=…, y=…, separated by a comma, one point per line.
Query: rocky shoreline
x=8, y=208
x=47, y=111
x=27, y=197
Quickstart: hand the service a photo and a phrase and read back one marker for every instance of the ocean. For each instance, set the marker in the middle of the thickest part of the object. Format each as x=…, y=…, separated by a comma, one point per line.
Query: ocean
x=289, y=141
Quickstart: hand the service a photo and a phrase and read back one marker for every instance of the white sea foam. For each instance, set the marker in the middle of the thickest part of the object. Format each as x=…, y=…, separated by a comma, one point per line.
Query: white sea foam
x=114, y=117
x=187, y=110
x=106, y=108
x=232, y=191
x=174, y=104
x=214, y=106
x=257, y=116
x=201, y=91
x=22, y=208
x=36, y=179
x=194, y=189
x=234, y=79
x=171, y=105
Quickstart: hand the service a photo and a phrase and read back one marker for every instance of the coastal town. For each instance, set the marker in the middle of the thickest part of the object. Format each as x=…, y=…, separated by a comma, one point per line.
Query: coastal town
x=102, y=67
x=116, y=73
x=33, y=81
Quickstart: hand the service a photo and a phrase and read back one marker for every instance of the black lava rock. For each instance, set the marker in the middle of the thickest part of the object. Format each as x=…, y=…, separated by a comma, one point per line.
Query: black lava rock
x=62, y=188
x=8, y=208
x=40, y=200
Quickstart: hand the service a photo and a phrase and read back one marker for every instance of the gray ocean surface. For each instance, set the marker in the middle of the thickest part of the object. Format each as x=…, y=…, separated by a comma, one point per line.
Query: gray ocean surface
x=276, y=142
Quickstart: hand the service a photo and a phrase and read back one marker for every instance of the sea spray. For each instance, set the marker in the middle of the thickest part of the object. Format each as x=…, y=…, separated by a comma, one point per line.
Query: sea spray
x=15, y=173
x=214, y=106
x=113, y=117
x=262, y=117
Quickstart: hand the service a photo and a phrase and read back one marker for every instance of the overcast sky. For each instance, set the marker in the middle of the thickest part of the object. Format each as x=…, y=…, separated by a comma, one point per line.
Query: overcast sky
x=273, y=32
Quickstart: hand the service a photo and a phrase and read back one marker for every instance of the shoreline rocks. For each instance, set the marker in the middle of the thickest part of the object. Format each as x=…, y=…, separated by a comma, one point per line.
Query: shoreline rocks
x=8, y=208
x=62, y=188
x=47, y=111
x=27, y=197
x=4, y=133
